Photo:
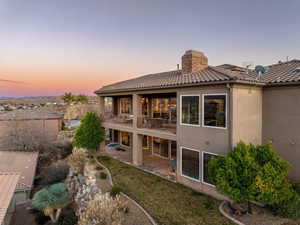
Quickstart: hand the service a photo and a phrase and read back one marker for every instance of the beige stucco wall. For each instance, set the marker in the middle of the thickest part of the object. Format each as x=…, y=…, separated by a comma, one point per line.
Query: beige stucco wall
x=281, y=122
x=39, y=128
x=246, y=114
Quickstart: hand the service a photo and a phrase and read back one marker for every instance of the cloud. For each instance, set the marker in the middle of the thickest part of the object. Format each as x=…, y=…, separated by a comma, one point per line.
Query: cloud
x=12, y=81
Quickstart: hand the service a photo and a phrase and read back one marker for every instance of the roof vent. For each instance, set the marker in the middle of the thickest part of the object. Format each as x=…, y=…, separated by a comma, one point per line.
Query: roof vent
x=297, y=69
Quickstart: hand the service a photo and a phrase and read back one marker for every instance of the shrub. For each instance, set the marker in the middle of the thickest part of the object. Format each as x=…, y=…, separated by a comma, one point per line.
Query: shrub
x=99, y=168
x=92, y=161
x=103, y=158
x=252, y=173
x=289, y=209
x=77, y=161
x=115, y=190
x=103, y=210
x=103, y=175
x=55, y=173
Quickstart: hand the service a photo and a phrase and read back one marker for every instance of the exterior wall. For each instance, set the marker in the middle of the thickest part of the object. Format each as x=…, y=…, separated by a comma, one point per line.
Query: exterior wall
x=40, y=128
x=281, y=121
x=213, y=140
x=246, y=116
x=10, y=212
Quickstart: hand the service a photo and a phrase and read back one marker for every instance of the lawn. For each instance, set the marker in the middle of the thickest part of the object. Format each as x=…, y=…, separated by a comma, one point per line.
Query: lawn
x=169, y=203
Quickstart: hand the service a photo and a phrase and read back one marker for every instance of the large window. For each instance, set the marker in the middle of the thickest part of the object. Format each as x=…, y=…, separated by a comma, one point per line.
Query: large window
x=125, y=138
x=206, y=158
x=190, y=166
x=190, y=110
x=164, y=108
x=125, y=105
x=214, y=110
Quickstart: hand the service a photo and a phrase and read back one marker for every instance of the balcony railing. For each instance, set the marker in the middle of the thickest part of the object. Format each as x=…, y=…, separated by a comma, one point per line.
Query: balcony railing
x=121, y=118
x=157, y=123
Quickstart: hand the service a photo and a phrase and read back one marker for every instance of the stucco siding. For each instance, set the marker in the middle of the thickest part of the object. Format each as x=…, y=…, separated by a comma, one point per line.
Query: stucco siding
x=246, y=114
x=281, y=122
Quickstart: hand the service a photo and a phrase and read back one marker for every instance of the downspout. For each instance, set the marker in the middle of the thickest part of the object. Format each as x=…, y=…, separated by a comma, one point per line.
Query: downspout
x=230, y=122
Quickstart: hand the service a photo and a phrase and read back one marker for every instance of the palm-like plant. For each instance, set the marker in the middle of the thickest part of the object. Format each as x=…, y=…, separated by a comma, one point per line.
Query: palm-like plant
x=51, y=200
x=68, y=97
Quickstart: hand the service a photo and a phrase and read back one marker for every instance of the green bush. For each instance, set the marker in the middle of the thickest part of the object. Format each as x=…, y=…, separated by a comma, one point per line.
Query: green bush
x=115, y=190
x=252, y=173
x=103, y=175
x=289, y=209
x=99, y=168
x=103, y=158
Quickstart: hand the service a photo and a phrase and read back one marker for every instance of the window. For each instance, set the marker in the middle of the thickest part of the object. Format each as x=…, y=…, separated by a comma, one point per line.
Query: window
x=161, y=147
x=190, y=165
x=125, y=138
x=125, y=105
x=108, y=104
x=190, y=110
x=206, y=158
x=214, y=110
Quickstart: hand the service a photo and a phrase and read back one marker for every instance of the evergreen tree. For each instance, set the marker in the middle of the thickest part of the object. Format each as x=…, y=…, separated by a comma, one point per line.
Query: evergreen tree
x=90, y=133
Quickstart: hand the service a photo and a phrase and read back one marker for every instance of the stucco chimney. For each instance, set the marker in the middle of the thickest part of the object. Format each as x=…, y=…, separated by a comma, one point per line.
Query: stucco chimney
x=193, y=61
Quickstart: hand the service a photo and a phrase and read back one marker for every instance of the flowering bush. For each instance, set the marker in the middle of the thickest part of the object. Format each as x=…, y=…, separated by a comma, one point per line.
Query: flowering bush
x=103, y=210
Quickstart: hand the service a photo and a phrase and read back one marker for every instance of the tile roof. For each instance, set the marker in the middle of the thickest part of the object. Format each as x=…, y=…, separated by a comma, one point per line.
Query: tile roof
x=8, y=183
x=176, y=78
x=21, y=162
x=280, y=73
x=30, y=115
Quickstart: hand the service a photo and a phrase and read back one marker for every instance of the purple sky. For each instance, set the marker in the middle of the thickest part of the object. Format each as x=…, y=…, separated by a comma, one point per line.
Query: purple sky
x=59, y=45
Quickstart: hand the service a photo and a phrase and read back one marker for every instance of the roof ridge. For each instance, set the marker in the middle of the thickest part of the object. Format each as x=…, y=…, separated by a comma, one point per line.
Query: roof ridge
x=280, y=63
x=141, y=76
x=223, y=72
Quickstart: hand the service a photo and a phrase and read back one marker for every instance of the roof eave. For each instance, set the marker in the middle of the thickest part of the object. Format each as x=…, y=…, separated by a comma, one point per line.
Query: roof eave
x=236, y=81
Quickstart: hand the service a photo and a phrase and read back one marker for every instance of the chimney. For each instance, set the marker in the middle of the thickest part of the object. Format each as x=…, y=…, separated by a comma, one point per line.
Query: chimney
x=193, y=61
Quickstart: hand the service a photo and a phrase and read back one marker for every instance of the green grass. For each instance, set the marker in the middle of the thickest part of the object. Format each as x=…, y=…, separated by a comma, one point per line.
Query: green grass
x=103, y=176
x=169, y=203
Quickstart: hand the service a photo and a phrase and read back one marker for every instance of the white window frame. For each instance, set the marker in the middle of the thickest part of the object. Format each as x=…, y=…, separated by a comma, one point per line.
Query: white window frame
x=202, y=174
x=187, y=124
x=226, y=111
x=181, y=174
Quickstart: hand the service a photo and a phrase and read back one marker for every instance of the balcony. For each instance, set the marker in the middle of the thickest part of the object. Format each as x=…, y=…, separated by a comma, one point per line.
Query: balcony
x=157, y=124
x=122, y=119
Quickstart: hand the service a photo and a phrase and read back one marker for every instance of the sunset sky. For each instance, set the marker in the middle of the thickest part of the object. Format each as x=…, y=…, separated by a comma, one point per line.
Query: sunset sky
x=51, y=47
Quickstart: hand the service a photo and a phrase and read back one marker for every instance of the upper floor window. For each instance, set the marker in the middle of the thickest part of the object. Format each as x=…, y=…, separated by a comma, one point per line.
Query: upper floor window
x=214, y=110
x=190, y=109
x=125, y=105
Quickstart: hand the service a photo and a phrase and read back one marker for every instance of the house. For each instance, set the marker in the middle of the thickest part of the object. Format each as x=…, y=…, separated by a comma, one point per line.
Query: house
x=173, y=123
x=8, y=183
x=23, y=163
x=19, y=127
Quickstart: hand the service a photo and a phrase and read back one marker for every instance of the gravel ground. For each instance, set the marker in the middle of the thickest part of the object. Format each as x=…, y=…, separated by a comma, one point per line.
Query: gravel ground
x=260, y=216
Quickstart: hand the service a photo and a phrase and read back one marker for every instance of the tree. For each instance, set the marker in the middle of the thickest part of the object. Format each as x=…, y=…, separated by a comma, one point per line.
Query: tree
x=90, y=133
x=68, y=97
x=235, y=174
x=51, y=200
x=81, y=98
